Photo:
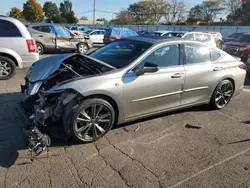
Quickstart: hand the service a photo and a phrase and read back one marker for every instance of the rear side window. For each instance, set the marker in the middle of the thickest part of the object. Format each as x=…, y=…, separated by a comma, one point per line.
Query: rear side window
x=8, y=29
x=196, y=53
x=45, y=29
x=215, y=56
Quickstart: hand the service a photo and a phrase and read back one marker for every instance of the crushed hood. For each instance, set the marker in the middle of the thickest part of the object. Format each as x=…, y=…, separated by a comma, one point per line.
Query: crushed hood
x=43, y=68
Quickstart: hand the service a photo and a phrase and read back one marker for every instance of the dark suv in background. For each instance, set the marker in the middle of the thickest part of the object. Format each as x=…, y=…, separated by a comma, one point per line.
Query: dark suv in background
x=239, y=47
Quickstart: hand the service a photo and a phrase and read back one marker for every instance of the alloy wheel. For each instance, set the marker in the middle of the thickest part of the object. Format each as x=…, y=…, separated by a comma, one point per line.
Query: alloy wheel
x=223, y=95
x=83, y=48
x=93, y=122
x=39, y=49
x=5, y=68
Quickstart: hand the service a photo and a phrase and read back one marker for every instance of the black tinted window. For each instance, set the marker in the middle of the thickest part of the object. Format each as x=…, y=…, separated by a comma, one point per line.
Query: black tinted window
x=45, y=29
x=164, y=57
x=8, y=29
x=243, y=38
x=214, y=55
x=196, y=53
x=121, y=53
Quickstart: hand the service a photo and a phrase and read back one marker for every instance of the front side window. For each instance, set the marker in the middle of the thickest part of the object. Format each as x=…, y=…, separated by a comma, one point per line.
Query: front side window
x=61, y=31
x=121, y=53
x=164, y=57
x=8, y=29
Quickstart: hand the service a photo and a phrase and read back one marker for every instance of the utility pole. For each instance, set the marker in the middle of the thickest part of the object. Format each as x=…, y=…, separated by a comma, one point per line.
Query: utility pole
x=94, y=13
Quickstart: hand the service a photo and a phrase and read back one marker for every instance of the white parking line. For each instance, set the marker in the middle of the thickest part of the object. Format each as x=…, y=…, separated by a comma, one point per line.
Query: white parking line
x=210, y=167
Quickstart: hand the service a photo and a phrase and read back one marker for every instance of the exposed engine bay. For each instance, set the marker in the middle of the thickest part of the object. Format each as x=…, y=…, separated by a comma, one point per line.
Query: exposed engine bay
x=46, y=108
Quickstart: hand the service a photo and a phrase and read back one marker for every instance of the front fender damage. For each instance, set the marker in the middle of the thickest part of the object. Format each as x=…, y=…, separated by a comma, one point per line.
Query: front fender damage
x=44, y=114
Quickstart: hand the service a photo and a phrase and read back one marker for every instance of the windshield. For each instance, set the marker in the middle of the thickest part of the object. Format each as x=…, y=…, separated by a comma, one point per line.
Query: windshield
x=235, y=35
x=243, y=38
x=121, y=53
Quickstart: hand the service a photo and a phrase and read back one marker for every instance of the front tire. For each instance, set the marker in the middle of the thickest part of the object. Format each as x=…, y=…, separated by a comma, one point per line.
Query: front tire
x=82, y=48
x=7, y=68
x=91, y=120
x=222, y=95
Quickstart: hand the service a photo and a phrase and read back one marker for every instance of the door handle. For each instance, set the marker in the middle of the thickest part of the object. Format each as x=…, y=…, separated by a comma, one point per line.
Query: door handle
x=177, y=75
x=40, y=35
x=218, y=68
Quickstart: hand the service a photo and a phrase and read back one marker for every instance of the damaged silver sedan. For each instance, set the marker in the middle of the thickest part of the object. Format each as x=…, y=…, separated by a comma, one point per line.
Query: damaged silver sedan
x=126, y=80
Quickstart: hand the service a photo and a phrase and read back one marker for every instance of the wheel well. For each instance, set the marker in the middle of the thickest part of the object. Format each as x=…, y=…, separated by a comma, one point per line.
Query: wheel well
x=40, y=43
x=231, y=80
x=11, y=57
x=110, y=100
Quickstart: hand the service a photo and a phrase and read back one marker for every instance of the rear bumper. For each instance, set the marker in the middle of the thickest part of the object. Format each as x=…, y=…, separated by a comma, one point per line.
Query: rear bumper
x=28, y=60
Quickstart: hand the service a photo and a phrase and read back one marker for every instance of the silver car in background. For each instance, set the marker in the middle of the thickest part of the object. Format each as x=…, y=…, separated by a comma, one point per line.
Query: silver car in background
x=17, y=47
x=201, y=37
x=128, y=79
x=53, y=38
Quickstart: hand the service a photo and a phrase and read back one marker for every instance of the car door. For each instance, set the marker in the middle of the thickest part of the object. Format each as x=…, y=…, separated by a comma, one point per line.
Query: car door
x=45, y=35
x=63, y=37
x=158, y=91
x=94, y=37
x=202, y=72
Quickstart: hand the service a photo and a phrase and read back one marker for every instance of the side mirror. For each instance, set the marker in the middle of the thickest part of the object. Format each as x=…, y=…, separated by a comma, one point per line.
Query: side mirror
x=148, y=68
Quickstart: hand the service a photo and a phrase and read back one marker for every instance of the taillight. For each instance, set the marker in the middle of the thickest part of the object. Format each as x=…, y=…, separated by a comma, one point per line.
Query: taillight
x=243, y=66
x=31, y=46
x=113, y=38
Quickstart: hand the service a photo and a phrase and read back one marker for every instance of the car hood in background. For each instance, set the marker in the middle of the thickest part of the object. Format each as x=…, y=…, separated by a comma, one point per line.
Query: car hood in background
x=43, y=68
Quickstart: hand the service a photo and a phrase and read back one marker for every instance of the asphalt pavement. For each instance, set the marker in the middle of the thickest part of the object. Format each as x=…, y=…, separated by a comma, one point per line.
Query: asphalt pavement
x=196, y=148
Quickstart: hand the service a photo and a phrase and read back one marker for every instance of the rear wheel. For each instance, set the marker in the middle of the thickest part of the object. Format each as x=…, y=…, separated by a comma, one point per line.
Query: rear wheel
x=39, y=48
x=7, y=68
x=82, y=48
x=92, y=119
x=222, y=95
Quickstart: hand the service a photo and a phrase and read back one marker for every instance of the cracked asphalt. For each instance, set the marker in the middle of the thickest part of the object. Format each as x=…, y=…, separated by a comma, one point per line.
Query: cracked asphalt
x=214, y=151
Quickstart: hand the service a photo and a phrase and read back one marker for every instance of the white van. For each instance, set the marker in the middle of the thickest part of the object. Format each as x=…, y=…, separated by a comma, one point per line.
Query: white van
x=17, y=48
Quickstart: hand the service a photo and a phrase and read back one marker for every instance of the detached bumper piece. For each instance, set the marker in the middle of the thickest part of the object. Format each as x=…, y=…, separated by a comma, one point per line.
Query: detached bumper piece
x=37, y=140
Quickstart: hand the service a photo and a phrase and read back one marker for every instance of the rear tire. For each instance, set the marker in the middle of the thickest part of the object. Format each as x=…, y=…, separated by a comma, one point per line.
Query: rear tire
x=39, y=48
x=222, y=95
x=7, y=68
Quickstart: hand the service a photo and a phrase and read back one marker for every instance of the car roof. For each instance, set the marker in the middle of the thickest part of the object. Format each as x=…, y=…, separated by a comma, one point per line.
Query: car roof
x=154, y=39
x=198, y=32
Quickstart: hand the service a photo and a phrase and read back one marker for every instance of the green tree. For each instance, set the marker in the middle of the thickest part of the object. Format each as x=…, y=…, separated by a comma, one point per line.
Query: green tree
x=16, y=13
x=52, y=12
x=205, y=12
x=241, y=15
x=102, y=20
x=33, y=11
x=67, y=12
x=84, y=18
